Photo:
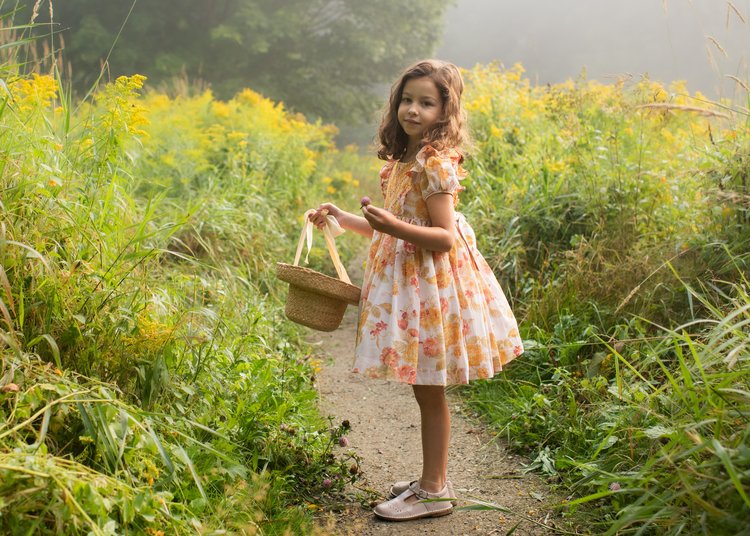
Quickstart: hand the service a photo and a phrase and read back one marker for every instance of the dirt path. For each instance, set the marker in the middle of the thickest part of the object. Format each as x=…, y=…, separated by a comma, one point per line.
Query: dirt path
x=385, y=434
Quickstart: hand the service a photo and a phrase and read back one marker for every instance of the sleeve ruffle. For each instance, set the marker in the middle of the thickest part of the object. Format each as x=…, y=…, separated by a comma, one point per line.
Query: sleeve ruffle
x=442, y=171
x=385, y=173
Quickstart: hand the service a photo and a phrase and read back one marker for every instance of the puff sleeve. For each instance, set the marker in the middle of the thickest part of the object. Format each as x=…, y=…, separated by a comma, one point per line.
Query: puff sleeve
x=385, y=173
x=442, y=172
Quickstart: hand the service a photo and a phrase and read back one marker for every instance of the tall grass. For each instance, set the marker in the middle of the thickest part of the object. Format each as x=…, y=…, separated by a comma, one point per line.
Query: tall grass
x=148, y=381
x=616, y=218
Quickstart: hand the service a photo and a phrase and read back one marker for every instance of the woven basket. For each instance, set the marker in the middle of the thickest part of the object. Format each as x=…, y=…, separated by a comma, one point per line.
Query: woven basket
x=316, y=300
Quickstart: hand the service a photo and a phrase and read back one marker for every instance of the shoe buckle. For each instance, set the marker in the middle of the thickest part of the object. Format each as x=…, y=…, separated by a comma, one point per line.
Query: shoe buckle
x=418, y=491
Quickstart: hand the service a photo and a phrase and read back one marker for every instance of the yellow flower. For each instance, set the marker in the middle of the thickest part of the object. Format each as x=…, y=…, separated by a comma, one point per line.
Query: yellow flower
x=668, y=136
x=36, y=92
x=248, y=96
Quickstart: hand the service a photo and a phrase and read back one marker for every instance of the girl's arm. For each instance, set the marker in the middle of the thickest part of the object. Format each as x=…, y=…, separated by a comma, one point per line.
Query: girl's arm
x=438, y=237
x=347, y=220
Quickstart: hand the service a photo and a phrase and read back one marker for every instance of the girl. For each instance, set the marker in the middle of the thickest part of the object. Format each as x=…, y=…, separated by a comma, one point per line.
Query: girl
x=431, y=311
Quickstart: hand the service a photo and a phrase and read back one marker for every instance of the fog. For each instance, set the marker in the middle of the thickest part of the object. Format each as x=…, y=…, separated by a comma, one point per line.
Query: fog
x=556, y=39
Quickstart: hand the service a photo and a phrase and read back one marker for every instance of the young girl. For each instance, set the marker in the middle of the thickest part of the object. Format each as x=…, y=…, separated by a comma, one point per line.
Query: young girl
x=431, y=311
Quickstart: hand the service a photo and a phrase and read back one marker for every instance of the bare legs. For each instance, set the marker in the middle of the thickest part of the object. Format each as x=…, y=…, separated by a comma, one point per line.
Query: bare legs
x=436, y=423
x=436, y=427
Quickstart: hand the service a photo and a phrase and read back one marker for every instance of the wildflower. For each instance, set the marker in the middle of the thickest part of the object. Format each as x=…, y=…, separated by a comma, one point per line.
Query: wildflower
x=345, y=424
x=614, y=486
x=343, y=442
x=10, y=388
x=327, y=483
x=288, y=429
x=33, y=93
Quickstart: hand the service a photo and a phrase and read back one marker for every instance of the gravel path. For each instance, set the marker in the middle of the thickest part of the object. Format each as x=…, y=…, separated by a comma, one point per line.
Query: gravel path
x=385, y=433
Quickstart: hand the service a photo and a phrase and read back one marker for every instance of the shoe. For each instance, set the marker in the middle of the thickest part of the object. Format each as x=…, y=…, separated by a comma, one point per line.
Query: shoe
x=411, y=504
x=399, y=487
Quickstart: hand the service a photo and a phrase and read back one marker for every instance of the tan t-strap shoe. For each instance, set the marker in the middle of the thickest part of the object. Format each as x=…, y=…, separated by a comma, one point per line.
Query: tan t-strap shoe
x=415, y=503
x=399, y=487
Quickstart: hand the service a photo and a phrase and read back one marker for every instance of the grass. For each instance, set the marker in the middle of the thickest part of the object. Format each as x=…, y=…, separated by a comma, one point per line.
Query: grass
x=615, y=217
x=149, y=383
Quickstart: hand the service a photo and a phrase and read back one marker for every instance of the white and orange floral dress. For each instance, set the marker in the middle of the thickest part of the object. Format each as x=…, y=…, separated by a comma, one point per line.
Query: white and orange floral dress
x=428, y=317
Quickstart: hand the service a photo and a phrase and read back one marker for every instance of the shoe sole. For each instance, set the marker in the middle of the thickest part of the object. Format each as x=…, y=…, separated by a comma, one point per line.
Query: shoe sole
x=436, y=513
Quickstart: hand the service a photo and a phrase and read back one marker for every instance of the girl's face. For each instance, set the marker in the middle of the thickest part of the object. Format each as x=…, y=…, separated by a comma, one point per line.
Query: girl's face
x=420, y=107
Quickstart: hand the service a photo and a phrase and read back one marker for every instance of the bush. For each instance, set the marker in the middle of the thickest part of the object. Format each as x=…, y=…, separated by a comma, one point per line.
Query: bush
x=615, y=217
x=149, y=383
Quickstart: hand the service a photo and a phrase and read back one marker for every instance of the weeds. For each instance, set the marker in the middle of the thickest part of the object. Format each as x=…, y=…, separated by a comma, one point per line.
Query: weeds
x=617, y=222
x=148, y=383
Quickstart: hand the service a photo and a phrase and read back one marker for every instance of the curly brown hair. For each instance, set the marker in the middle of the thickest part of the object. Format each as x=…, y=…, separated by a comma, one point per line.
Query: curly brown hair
x=448, y=132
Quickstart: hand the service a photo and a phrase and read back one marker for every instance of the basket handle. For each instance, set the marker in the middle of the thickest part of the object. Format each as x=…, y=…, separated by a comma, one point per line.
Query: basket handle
x=331, y=230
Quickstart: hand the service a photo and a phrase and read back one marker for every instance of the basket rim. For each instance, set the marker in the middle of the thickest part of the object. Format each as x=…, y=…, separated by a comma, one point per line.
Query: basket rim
x=314, y=281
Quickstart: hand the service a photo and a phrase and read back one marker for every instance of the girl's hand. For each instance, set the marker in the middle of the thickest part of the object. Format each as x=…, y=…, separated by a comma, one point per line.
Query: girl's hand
x=319, y=218
x=379, y=219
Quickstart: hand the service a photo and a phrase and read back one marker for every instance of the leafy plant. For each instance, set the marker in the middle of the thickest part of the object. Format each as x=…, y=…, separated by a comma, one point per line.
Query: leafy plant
x=614, y=218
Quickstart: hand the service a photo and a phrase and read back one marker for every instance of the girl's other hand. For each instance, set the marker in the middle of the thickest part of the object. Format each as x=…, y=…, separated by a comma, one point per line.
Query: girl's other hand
x=379, y=219
x=325, y=209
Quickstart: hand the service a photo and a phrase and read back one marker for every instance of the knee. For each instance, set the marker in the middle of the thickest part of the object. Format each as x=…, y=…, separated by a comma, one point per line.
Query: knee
x=428, y=396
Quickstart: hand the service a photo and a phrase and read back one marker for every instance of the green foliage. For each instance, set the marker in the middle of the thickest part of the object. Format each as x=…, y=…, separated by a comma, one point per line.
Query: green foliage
x=322, y=58
x=616, y=217
x=594, y=185
x=148, y=382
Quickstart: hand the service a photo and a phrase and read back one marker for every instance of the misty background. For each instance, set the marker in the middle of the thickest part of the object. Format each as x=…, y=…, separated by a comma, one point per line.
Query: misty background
x=335, y=60
x=699, y=41
x=555, y=39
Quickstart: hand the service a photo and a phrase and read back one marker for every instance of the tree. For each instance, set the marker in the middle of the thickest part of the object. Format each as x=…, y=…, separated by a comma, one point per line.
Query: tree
x=321, y=57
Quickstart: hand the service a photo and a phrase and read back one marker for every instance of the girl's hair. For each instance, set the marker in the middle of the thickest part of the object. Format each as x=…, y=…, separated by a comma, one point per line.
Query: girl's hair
x=448, y=132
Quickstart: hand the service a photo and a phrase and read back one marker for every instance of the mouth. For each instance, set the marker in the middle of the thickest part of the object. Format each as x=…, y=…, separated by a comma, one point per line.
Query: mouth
x=411, y=121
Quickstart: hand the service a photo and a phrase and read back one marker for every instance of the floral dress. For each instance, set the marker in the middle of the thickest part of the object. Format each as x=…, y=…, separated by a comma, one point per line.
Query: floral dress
x=428, y=317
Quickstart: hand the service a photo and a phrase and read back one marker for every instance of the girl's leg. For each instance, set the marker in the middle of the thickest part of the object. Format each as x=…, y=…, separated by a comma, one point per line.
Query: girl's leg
x=436, y=425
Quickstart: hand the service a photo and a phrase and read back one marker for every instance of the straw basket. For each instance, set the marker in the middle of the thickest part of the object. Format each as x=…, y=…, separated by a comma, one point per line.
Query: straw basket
x=316, y=300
